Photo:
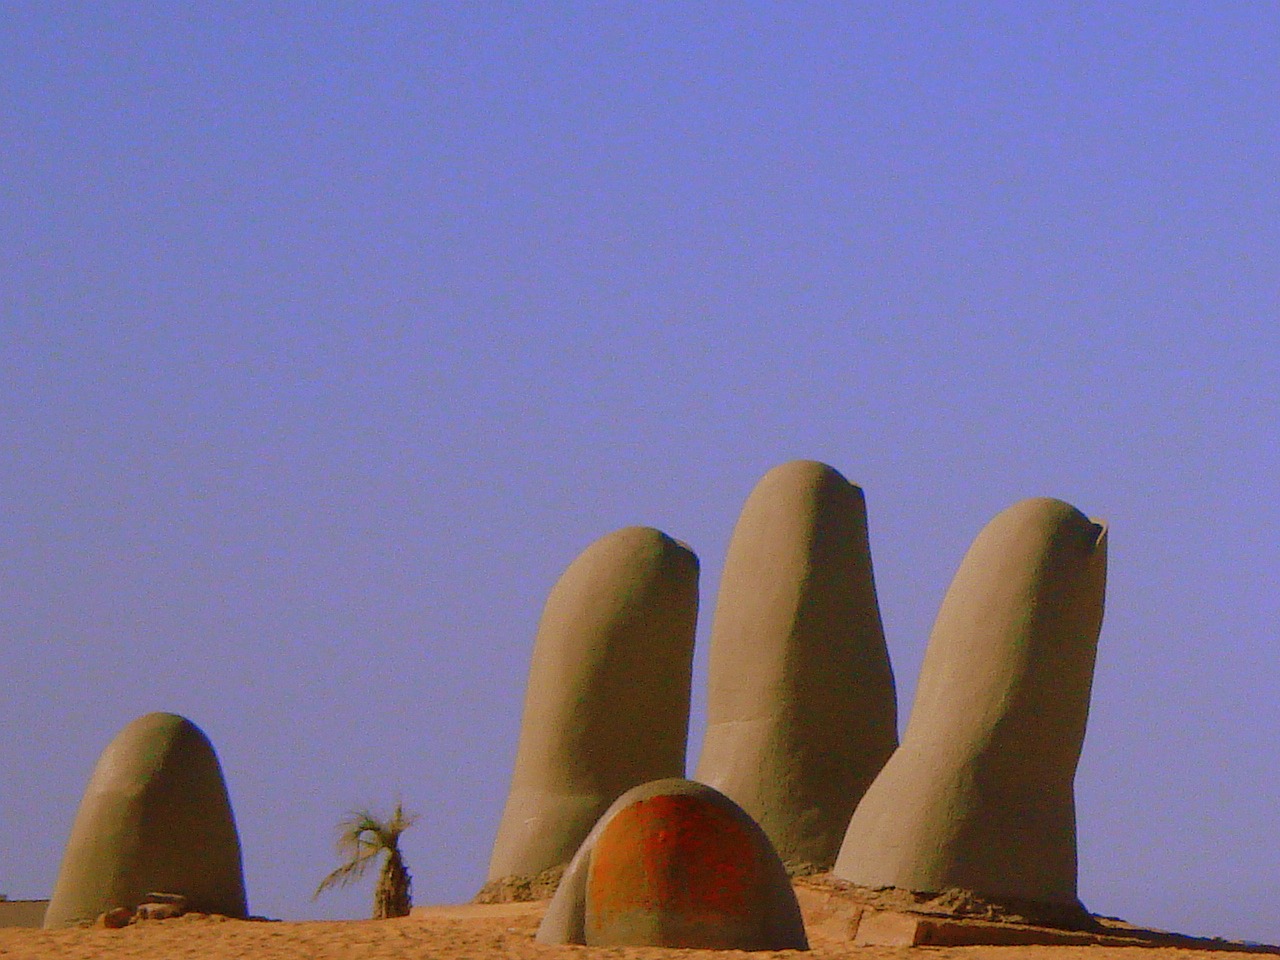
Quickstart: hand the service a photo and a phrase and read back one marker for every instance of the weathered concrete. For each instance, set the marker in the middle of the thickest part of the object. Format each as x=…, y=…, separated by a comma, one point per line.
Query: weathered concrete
x=675, y=863
x=801, y=712
x=155, y=816
x=889, y=929
x=979, y=794
x=607, y=706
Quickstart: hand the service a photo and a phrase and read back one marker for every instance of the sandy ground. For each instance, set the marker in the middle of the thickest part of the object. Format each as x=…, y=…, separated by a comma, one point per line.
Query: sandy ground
x=458, y=933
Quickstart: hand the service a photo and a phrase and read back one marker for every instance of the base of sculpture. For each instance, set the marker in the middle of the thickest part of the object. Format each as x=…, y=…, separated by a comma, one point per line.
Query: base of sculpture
x=955, y=904
x=518, y=889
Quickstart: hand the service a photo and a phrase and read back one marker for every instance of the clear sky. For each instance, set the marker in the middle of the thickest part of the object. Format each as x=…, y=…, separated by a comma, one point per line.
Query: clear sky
x=330, y=334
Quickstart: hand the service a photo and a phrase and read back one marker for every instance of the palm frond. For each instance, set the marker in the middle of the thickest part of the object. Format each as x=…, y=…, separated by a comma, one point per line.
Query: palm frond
x=349, y=872
x=396, y=824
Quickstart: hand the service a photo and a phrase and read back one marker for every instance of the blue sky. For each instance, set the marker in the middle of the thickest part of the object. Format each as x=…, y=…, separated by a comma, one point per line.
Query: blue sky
x=330, y=335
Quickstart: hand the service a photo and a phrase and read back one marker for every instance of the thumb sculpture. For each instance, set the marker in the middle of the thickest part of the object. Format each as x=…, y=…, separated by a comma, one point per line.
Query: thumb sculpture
x=674, y=863
x=155, y=817
x=607, y=706
x=802, y=712
x=979, y=795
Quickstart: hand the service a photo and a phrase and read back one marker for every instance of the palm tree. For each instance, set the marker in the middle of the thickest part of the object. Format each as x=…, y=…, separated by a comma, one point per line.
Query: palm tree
x=362, y=838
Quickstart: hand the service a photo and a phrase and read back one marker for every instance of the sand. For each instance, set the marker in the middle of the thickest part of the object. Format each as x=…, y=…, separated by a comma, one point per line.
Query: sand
x=470, y=932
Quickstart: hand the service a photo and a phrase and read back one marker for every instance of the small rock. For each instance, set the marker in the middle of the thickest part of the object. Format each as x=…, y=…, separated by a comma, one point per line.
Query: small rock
x=158, y=911
x=177, y=899
x=116, y=919
x=162, y=906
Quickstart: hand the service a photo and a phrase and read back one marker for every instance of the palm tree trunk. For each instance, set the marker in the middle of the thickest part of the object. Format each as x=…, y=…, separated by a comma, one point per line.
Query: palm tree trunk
x=394, y=895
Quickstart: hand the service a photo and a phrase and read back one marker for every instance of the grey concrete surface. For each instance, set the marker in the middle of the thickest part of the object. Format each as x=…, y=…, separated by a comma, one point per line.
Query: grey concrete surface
x=980, y=793
x=607, y=703
x=802, y=712
x=155, y=816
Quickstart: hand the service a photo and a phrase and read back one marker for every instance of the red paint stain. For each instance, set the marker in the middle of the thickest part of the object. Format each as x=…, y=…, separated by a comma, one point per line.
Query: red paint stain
x=679, y=857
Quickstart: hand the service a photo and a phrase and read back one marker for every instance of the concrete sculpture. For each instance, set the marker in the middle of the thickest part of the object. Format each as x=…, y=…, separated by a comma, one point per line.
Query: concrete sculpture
x=802, y=712
x=980, y=793
x=154, y=817
x=675, y=863
x=607, y=706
